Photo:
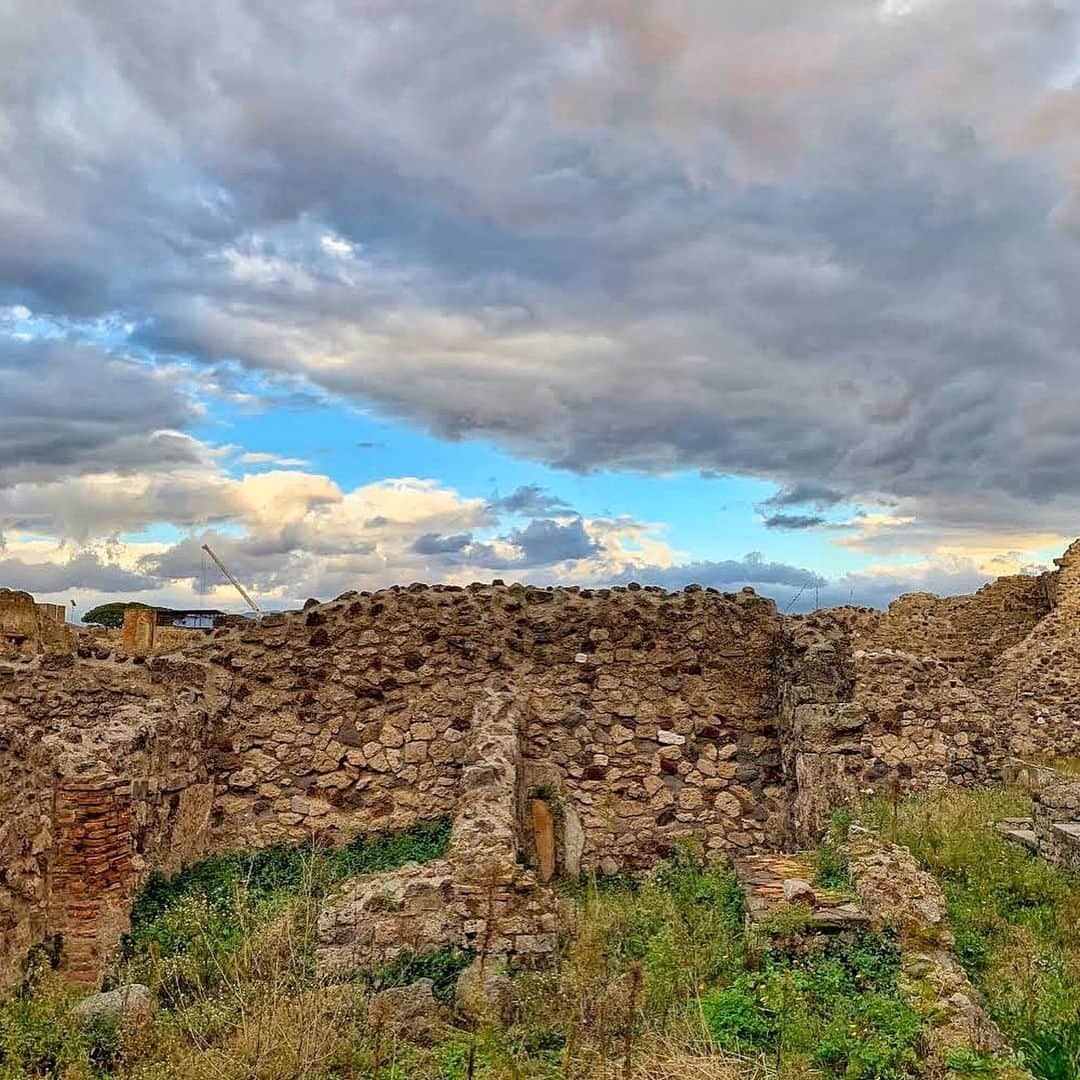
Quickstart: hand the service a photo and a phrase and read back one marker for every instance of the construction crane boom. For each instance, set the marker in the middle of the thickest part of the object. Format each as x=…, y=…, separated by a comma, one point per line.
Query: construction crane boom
x=236, y=584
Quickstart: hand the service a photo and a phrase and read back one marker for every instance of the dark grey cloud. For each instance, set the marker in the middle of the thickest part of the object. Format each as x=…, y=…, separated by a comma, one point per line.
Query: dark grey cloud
x=544, y=541
x=793, y=521
x=262, y=563
x=803, y=494
x=434, y=544
x=726, y=574
x=531, y=500
x=82, y=571
x=828, y=245
x=68, y=408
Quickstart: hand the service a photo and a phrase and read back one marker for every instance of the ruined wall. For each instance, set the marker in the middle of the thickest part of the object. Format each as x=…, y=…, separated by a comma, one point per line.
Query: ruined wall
x=103, y=774
x=648, y=717
x=654, y=713
x=28, y=629
x=908, y=697
x=480, y=896
x=1035, y=685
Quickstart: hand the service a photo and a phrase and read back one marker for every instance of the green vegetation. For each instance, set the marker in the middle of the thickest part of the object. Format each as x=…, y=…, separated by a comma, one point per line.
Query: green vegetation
x=1016, y=920
x=830, y=860
x=110, y=615
x=659, y=980
x=183, y=927
x=835, y=1006
x=442, y=967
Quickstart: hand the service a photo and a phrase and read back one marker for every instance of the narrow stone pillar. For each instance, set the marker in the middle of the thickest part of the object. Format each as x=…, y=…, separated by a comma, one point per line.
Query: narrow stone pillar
x=137, y=635
x=544, y=837
x=484, y=841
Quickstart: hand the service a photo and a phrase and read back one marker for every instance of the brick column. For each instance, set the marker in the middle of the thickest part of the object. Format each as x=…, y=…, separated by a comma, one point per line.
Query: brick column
x=92, y=874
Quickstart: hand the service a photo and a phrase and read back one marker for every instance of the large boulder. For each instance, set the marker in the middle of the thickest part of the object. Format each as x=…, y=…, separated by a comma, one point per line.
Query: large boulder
x=408, y=1009
x=132, y=1004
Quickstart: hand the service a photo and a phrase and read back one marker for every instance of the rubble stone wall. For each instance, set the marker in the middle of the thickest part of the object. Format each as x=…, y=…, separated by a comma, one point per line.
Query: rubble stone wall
x=480, y=897
x=647, y=717
x=104, y=774
x=1056, y=822
x=655, y=714
x=28, y=629
x=914, y=696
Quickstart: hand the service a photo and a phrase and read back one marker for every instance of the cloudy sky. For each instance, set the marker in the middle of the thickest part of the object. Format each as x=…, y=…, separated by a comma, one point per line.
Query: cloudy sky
x=590, y=291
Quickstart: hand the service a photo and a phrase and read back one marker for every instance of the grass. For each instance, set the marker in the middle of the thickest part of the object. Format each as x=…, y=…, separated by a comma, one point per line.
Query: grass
x=1016, y=919
x=227, y=946
x=660, y=978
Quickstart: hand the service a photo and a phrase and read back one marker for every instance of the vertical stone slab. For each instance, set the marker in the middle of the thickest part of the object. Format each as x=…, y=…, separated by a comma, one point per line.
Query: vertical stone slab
x=140, y=625
x=484, y=841
x=543, y=822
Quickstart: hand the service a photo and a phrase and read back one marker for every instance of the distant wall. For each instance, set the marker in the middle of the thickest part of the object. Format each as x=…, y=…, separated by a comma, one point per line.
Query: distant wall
x=28, y=629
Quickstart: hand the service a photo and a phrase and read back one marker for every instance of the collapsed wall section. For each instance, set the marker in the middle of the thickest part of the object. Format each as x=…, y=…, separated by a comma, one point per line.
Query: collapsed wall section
x=905, y=698
x=479, y=898
x=1035, y=684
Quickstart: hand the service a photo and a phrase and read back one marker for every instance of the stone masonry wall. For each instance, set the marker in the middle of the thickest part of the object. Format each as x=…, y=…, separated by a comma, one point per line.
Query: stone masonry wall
x=103, y=774
x=910, y=697
x=480, y=897
x=648, y=717
x=655, y=713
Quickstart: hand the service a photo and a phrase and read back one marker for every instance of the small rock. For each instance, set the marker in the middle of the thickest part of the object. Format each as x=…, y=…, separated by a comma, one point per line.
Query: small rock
x=797, y=891
x=411, y=1008
x=670, y=738
x=930, y=911
x=483, y=995
x=132, y=1003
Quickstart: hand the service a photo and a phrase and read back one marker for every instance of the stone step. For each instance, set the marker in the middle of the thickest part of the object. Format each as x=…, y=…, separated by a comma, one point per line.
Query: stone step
x=1019, y=831
x=762, y=879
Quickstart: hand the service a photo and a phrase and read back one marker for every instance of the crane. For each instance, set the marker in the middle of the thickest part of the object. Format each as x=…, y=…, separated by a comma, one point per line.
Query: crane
x=236, y=584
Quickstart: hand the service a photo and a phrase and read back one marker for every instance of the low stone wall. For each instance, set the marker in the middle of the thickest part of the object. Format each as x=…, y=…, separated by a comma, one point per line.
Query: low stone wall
x=1056, y=822
x=479, y=897
x=899, y=896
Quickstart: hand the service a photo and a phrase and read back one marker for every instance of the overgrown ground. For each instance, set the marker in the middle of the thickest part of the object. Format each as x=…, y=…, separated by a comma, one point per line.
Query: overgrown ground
x=661, y=980
x=1016, y=919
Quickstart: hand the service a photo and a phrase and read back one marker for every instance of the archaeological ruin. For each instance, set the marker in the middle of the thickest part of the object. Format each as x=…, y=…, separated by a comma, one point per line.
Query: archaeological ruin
x=563, y=729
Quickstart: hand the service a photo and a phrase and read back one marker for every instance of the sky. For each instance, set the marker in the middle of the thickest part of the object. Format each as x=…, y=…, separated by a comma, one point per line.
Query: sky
x=362, y=292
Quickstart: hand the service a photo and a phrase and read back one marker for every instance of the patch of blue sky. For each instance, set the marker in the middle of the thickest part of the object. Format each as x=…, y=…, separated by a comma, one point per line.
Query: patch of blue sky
x=704, y=517
x=109, y=330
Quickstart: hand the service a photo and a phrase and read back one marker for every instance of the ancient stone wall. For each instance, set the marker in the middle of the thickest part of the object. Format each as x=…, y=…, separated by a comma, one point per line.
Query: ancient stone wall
x=910, y=697
x=1034, y=686
x=1056, y=822
x=654, y=714
x=480, y=897
x=103, y=774
x=646, y=718
x=28, y=629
